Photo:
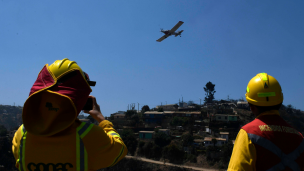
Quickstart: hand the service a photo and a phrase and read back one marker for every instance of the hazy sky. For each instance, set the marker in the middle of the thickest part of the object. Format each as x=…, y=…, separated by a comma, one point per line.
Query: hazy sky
x=225, y=42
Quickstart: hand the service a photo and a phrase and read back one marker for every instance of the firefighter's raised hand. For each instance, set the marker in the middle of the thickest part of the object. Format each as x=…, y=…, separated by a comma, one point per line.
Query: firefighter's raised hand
x=95, y=112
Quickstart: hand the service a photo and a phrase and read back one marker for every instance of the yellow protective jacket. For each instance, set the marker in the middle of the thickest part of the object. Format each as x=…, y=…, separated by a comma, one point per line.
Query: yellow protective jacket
x=52, y=138
x=76, y=148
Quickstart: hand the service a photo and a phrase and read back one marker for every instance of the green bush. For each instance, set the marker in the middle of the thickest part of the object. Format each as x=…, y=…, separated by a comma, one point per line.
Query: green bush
x=161, y=139
x=129, y=139
x=173, y=153
x=147, y=149
x=140, y=150
x=3, y=131
x=191, y=158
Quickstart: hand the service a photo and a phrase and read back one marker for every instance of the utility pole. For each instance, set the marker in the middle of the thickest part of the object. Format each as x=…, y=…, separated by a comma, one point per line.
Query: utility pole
x=200, y=101
x=138, y=108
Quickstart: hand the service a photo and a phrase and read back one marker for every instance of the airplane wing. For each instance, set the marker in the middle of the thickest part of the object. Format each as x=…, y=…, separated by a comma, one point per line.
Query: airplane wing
x=176, y=26
x=162, y=38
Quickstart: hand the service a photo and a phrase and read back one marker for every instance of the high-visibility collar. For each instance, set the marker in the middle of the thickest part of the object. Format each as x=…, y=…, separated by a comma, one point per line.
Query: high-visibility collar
x=270, y=112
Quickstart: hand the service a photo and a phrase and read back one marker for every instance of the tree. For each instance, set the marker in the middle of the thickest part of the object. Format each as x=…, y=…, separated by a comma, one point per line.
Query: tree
x=129, y=113
x=156, y=151
x=3, y=131
x=145, y=108
x=190, y=103
x=111, y=117
x=6, y=156
x=178, y=121
x=141, y=148
x=147, y=149
x=289, y=109
x=135, y=118
x=214, y=141
x=173, y=153
x=129, y=139
x=187, y=139
x=161, y=139
x=226, y=152
x=209, y=89
x=160, y=109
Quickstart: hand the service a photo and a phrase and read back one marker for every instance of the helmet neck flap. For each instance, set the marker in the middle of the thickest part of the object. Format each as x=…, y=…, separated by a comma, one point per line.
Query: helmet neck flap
x=52, y=105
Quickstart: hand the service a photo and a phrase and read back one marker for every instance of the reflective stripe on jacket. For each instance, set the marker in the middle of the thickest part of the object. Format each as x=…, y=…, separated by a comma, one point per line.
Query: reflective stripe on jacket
x=81, y=147
x=81, y=152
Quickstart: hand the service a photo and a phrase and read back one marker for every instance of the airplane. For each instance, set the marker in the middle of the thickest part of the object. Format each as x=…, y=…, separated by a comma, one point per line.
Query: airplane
x=171, y=32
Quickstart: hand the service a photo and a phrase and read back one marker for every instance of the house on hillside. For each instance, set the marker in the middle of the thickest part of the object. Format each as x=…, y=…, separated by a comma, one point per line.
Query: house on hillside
x=169, y=107
x=242, y=105
x=219, y=141
x=166, y=131
x=118, y=116
x=153, y=117
x=224, y=117
x=187, y=114
x=199, y=142
x=182, y=105
x=228, y=105
x=147, y=135
x=224, y=135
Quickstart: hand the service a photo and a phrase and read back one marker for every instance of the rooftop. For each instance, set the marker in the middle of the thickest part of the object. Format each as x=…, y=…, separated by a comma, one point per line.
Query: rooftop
x=224, y=115
x=239, y=102
x=210, y=139
x=224, y=133
x=119, y=114
x=146, y=131
x=168, y=105
x=154, y=112
x=198, y=140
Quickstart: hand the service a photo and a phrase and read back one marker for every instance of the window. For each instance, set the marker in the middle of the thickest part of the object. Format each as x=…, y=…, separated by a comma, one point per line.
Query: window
x=225, y=117
x=219, y=117
x=222, y=142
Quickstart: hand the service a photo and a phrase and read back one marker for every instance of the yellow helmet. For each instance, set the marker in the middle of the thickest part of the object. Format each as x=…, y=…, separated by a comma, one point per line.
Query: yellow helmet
x=61, y=66
x=264, y=90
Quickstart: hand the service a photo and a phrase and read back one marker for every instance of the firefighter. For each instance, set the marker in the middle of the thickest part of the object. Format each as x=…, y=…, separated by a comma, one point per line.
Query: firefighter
x=268, y=142
x=51, y=137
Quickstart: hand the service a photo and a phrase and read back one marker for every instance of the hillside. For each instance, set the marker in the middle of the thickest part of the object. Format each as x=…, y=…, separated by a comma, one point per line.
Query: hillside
x=10, y=116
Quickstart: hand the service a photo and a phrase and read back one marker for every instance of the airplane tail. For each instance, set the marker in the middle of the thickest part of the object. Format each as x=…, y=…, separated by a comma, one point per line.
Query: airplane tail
x=179, y=33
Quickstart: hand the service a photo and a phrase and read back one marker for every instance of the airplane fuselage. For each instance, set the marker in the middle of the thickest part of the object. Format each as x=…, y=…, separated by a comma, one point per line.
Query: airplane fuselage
x=167, y=32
